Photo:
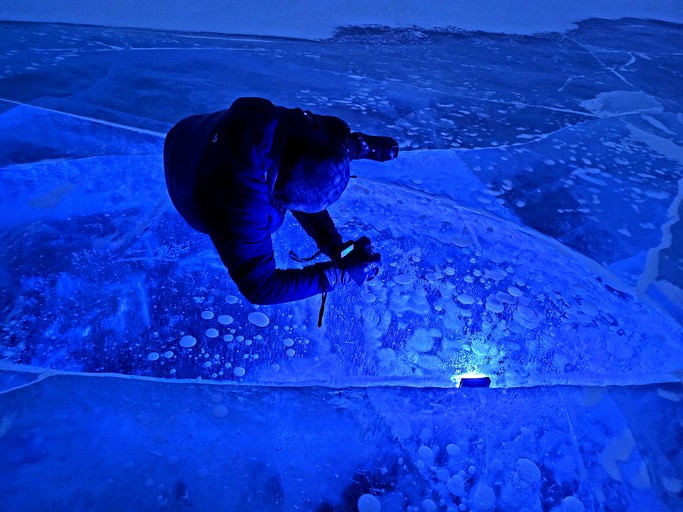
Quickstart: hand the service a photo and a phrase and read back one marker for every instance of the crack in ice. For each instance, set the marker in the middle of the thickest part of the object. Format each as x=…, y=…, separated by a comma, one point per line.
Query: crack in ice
x=651, y=270
x=86, y=118
x=603, y=65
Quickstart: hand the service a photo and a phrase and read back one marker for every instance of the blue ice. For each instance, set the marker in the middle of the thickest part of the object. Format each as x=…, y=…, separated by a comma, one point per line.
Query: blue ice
x=530, y=231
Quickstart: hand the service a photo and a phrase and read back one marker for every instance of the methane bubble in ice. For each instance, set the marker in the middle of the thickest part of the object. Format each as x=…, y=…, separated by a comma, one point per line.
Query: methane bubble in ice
x=220, y=411
x=453, y=449
x=211, y=333
x=505, y=297
x=239, y=371
x=153, y=356
x=456, y=485
x=168, y=354
x=528, y=471
x=515, y=292
x=426, y=454
x=290, y=352
x=494, y=305
x=188, y=341
x=403, y=279
x=230, y=299
x=465, y=298
x=589, y=308
x=207, y=315
x=496, y=274
x=526, y=316
x=225, y=319
x=368, y=503
x=484, y=499
x=572, y=504
x=429, y=505
x=258, y=318
x=288, y=342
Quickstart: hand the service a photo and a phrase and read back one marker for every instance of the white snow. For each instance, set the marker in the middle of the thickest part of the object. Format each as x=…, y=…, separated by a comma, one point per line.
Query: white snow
x=615, y=103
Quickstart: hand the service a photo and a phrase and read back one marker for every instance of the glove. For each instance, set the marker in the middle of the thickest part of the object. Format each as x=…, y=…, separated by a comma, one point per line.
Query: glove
x=356, y=262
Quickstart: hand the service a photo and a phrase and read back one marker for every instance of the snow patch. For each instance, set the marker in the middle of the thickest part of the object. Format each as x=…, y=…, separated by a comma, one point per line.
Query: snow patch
x=614, y=103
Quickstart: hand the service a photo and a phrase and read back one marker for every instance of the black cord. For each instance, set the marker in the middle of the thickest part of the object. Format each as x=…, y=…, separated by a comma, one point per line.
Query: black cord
x=322, y=310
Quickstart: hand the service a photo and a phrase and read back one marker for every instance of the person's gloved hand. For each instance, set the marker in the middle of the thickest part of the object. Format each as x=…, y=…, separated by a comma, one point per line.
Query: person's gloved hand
x=356, y=262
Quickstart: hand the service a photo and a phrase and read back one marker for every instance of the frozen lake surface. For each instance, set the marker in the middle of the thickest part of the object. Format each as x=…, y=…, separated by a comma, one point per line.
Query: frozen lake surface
x=530, y=230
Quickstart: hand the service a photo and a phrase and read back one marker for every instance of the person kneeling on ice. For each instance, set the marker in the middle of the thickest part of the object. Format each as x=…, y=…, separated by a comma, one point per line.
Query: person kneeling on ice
x=234, y=174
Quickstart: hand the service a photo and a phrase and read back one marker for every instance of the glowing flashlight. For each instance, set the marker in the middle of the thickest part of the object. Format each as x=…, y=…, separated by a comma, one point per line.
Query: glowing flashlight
x=471, y=380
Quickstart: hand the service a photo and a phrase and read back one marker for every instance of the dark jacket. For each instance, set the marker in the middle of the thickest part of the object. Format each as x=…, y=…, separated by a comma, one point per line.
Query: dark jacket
x=220, y=172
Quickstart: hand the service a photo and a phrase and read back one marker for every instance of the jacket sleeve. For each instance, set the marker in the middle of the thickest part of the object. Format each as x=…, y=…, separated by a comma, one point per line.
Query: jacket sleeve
x=320, y=227
x=251, y=264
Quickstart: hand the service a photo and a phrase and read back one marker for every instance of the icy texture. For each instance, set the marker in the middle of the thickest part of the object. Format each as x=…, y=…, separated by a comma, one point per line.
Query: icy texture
x=530, y=230
x=70, y=440
x=541, y=248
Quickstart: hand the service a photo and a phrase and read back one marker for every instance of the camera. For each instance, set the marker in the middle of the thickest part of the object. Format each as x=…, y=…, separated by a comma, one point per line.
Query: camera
x=371, y=147
x=360, y=261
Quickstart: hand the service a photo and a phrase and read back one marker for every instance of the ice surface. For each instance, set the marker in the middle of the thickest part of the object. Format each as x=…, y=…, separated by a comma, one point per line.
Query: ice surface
x=530, y=231
x=69, y=441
